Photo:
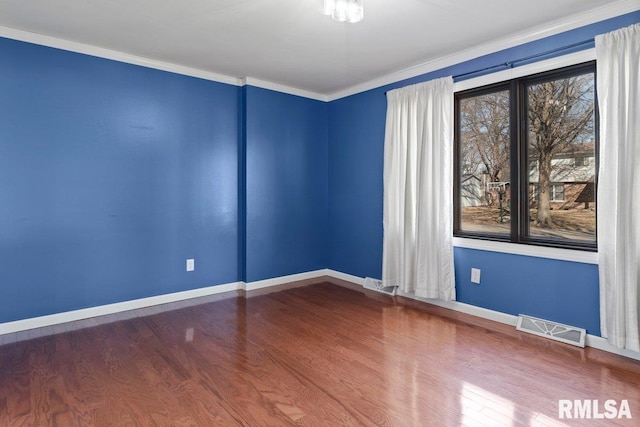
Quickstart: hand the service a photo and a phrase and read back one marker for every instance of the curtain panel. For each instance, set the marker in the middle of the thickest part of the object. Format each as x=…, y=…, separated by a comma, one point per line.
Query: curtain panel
x=618, y=88
x=418, y=188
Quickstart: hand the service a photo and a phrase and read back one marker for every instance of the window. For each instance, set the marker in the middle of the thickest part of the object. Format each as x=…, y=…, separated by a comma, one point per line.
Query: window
x=526, y=160
x=556, y=192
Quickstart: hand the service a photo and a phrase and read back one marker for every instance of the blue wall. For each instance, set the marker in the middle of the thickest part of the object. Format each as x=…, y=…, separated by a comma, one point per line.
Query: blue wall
x=112, y=175
x=356, y=152
x=286, y=197
x=563, y=291
x=566, y=292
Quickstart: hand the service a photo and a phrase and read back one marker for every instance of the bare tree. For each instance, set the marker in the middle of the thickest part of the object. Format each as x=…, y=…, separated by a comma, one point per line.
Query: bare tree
x=485, y=131
x=560, y=118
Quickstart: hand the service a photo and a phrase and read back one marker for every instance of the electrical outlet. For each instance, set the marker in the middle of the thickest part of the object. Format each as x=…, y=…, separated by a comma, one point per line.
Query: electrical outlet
x=191, y=264
x=475, y=275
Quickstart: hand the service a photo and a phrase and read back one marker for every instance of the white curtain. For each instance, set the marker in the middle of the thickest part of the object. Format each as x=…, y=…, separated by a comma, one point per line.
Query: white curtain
x=618, y=62
x=418, y=188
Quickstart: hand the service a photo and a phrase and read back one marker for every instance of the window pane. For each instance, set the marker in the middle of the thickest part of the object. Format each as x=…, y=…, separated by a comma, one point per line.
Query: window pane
x=561, y=149
x=484, y=163
x=558, y=192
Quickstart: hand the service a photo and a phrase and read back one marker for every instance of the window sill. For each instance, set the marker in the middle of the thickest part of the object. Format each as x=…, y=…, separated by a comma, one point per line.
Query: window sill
x=527, y=250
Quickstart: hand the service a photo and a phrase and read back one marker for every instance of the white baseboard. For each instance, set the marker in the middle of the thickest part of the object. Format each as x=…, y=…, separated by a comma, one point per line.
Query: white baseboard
x=485, y=313
x=119, y=307
x=602, y=344
x=497, y=316
x=103, y=310
x=252, y=286
x=346, y=277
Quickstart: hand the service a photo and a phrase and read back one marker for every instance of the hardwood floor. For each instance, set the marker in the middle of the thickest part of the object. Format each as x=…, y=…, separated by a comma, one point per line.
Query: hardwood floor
x=318, y=355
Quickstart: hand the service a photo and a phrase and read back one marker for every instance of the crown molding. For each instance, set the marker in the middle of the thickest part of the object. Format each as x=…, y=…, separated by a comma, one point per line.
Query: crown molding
x=71, y=46
x=86, y=49
x=592, y=16
x=607, y=11
x=250, y=81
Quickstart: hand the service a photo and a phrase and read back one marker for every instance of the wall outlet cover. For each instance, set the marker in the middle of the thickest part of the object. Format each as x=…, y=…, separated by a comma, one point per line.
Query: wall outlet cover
x=475, y=275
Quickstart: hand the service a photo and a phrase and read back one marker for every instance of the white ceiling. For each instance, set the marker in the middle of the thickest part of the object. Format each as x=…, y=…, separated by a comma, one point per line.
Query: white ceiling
x=288, y=42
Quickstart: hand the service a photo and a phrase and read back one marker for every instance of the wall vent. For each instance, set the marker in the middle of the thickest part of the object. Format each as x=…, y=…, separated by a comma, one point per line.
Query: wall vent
x=555, y=331
x=376, y=285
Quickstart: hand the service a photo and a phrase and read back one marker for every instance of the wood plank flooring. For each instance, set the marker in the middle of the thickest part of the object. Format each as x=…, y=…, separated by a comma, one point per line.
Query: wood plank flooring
x=317, y=355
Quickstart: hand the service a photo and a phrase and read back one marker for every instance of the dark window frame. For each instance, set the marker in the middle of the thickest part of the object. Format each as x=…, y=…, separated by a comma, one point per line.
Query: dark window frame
x=519, y=159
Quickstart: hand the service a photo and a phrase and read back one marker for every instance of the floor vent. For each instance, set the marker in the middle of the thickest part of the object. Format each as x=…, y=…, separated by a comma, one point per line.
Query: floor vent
x=555, y=331
x=376, y=285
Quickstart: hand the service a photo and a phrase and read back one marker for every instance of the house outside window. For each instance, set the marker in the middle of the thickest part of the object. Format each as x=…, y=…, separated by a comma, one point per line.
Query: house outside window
x=556, y=192
x=526, y=160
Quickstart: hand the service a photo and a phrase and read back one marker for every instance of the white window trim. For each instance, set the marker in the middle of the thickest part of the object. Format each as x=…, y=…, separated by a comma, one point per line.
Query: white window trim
x=585, y=257
x=560, y=254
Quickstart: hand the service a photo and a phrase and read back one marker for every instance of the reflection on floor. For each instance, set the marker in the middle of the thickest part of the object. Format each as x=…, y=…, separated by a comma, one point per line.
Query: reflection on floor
x=317, y=354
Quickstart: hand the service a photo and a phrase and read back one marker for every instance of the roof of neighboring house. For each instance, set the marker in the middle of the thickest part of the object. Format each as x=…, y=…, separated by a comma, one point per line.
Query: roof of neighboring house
x=569, y=174
x=584, y=149
x=467, y=177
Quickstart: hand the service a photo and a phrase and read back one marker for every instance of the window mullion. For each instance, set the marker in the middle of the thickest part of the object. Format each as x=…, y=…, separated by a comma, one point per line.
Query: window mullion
x=516, y=159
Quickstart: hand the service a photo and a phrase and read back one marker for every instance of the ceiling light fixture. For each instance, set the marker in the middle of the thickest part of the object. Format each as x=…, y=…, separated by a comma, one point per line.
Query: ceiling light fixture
x=343, y=10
